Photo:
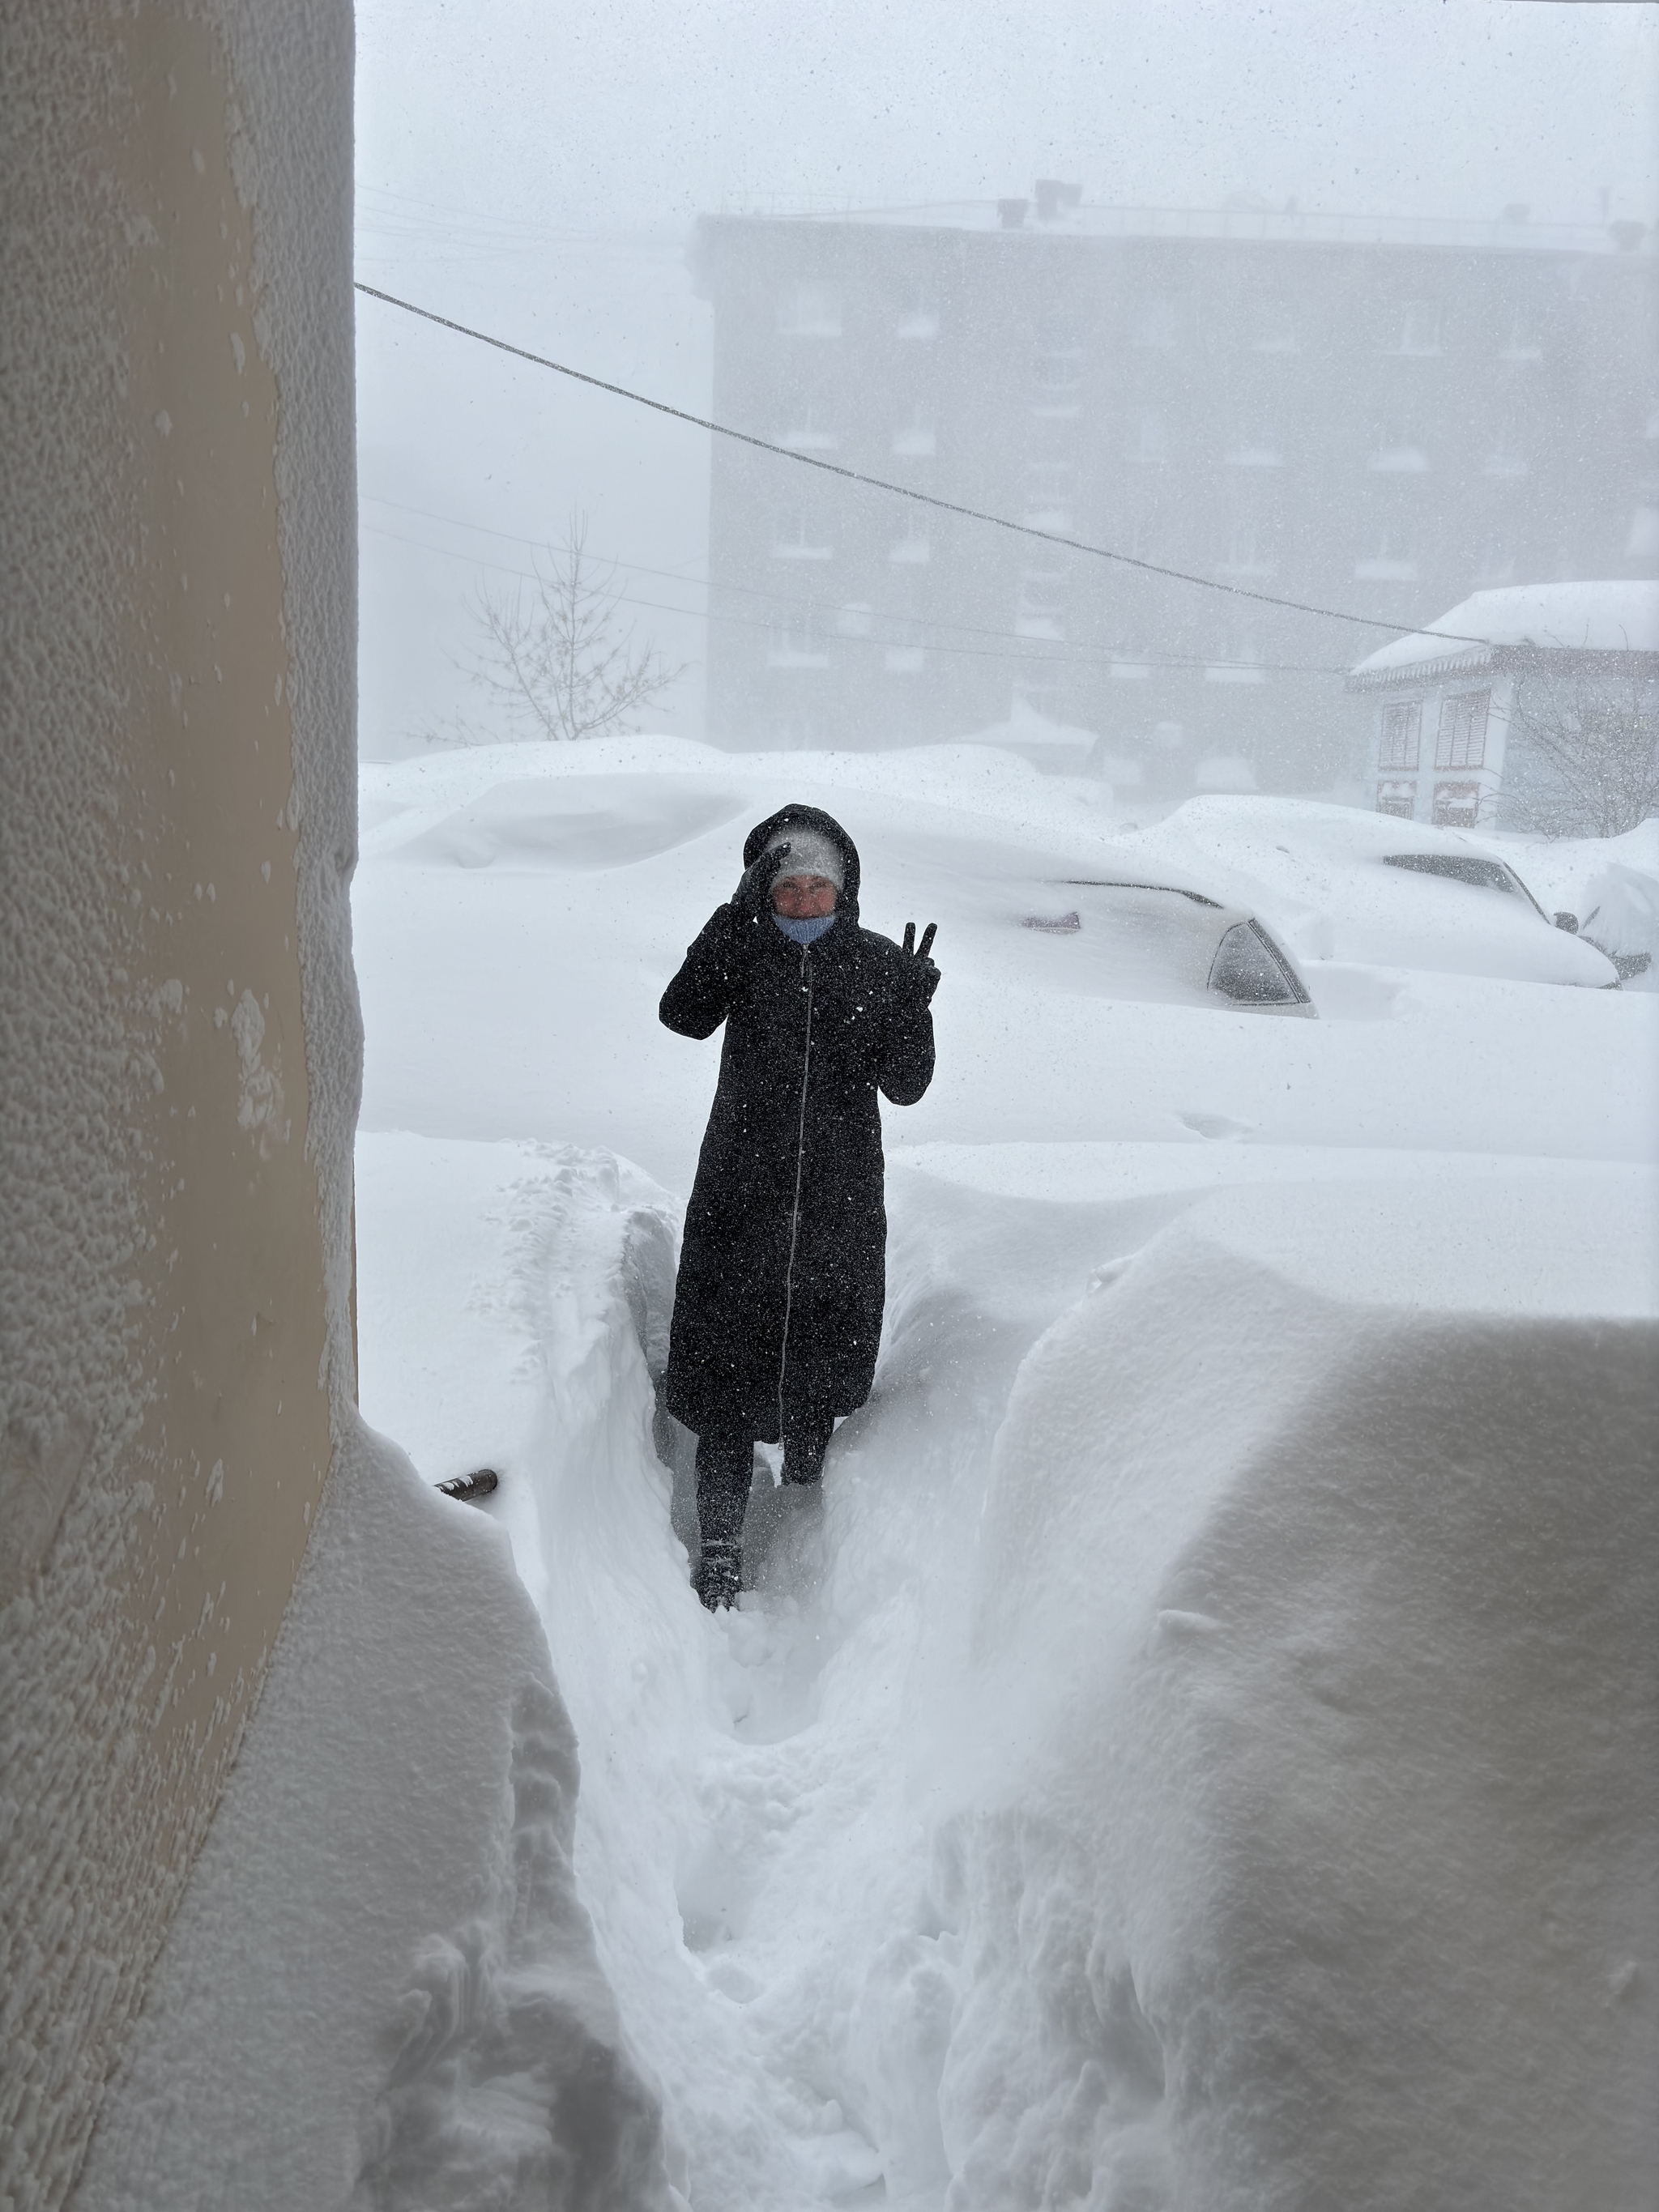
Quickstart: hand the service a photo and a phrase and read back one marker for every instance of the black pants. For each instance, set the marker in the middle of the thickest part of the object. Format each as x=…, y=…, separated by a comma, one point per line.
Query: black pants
x=725, y=1464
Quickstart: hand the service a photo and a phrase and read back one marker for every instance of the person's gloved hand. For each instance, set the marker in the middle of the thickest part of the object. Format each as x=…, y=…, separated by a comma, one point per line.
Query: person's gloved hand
x=926, y=973
x=754, y=893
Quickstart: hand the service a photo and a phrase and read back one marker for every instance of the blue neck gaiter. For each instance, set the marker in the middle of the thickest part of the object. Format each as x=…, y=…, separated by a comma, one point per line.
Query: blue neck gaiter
x=804, y=932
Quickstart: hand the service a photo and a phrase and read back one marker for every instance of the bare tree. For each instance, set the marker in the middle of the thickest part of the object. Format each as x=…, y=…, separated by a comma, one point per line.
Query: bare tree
x=1589, y=765
x=556, y=653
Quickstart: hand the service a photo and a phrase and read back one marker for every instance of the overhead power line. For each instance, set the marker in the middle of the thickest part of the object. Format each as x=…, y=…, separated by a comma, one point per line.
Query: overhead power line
x=1033, y=646
x=905, y=491
x=1037, y=653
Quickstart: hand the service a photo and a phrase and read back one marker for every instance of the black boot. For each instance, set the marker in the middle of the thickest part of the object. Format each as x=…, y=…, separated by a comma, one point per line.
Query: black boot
x=719, y=1576
x=803, y=1452
x=726, y=1468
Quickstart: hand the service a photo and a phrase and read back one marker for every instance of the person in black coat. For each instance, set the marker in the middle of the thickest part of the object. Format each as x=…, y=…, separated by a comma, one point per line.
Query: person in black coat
x=782, y=1274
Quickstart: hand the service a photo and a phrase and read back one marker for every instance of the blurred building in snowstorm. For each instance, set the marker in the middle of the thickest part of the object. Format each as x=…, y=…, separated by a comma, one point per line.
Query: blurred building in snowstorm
x=1379, y=416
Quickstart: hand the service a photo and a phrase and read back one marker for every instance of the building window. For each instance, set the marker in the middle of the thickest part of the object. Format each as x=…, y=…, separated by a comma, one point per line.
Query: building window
x=1497, y=564
x=1239, y=659
x=796, y=641
x=1391, y=563
x=1456, y=805
x=1398, y=799
x=1419, y=327
x=1041, y=623
x=1041, y=694
x=1402, y=733
x=915, y=437
x=913, y=550
x=1397, y=454
x=1042, y=605
x=1058, y=374
x=906, y=655
x=1257, y=448
x=1247, y=551
x=800, y=536
x=810, y=311
x=1522, y=344
x=1462, y=741
x=1274, y=330
x=920, y=318
x=811, y=433
x=1148, y=443
x=1049, y=486
x=854, y=620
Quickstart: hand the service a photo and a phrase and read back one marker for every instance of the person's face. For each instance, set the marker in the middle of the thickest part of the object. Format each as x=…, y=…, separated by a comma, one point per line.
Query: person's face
x=803, y=898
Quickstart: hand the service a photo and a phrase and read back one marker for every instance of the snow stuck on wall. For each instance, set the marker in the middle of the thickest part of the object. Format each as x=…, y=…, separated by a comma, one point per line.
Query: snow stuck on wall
x=179, y=1049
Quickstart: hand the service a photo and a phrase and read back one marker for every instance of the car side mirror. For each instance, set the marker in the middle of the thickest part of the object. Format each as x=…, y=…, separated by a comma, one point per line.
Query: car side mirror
x=1569, y=922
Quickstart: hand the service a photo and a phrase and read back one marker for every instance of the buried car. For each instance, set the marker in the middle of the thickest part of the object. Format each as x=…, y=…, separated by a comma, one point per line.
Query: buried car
x=1170, y=941
x=1336, y=883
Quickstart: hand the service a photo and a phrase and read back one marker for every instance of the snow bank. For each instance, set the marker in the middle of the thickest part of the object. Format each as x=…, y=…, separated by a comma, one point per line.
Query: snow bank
x=1310, y=1858
x=1157, y=1767
x=382, y=1988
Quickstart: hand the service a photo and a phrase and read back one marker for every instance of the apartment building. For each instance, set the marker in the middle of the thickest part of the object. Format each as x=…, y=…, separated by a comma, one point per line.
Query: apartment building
x=1375, y=415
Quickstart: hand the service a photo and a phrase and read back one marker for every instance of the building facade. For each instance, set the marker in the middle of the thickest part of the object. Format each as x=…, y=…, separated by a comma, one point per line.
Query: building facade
x=1370, y=416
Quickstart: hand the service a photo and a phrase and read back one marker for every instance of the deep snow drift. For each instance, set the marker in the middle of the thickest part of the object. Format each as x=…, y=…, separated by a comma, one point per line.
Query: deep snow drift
x=520, y=908
x=382, y=1988
x=1314, y=1717
x=1201, y=1751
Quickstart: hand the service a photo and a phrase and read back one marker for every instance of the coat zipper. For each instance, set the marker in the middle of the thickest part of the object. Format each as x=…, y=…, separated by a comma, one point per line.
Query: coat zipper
x=800, y=1158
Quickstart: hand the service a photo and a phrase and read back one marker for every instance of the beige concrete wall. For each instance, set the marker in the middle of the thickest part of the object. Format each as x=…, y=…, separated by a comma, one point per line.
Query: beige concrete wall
x=174, y=1257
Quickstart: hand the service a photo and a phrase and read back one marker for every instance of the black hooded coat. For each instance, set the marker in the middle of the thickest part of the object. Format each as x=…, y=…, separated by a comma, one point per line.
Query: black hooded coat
x=782, y=1276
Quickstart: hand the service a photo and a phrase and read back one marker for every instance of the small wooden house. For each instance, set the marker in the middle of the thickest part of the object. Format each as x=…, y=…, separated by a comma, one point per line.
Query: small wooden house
x=1448, y=743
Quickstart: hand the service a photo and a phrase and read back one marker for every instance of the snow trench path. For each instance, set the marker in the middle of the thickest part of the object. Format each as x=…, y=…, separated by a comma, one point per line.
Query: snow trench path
x=749, y=1839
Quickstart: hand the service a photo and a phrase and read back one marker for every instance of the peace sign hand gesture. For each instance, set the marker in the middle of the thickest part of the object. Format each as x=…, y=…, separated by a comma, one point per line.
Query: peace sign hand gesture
x=916, y=954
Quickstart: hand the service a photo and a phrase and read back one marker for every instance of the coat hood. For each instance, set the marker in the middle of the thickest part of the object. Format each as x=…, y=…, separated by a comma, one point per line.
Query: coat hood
x=810, y=817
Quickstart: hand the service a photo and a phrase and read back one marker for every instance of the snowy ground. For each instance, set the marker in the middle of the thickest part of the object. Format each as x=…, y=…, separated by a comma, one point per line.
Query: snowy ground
x=1196, y=1754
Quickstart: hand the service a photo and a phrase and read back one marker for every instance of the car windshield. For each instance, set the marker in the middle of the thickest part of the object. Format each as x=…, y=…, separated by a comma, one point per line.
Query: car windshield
x=1465, y=868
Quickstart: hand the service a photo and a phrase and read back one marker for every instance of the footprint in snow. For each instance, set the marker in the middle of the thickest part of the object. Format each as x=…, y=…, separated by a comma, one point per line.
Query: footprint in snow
x=1219, y=1128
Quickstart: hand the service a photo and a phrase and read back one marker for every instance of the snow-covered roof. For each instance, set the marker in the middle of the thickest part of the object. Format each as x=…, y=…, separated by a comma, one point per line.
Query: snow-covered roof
x=1289, y=225
x=1490, y=627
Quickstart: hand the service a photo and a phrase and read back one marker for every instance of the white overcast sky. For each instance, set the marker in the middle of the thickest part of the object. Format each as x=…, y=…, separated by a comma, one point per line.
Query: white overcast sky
x=625, y=113
x=531, y=166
